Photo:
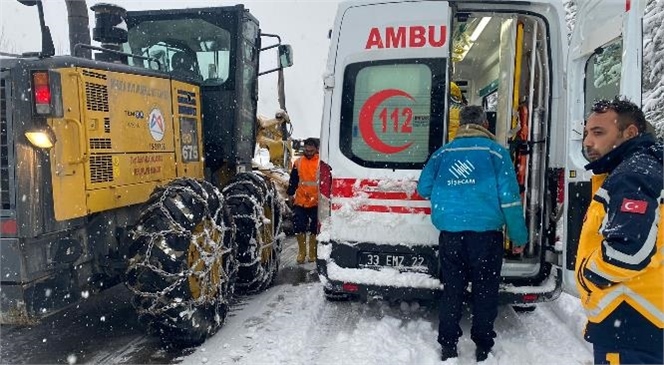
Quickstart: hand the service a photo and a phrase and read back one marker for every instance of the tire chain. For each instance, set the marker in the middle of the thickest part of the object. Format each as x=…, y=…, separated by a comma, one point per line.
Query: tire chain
x=155, y=239
x=258, y=217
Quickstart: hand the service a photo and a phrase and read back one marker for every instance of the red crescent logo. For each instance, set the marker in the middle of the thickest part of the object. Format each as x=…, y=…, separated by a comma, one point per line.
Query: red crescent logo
x=366, y=121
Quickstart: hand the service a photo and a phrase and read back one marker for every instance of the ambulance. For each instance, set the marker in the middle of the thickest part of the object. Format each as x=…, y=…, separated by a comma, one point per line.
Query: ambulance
x=386, y=107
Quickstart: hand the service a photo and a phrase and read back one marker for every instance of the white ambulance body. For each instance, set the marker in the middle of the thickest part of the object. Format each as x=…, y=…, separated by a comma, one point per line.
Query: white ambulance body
x=386, y=109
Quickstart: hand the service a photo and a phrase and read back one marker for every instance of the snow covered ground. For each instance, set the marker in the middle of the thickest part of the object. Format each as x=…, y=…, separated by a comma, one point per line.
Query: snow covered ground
x=295, y=324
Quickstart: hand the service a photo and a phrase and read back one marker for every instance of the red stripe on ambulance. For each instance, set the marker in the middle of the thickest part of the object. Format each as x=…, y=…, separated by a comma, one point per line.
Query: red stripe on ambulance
x=387, y=209
x=370, y=190
x=416, y=36
x=350, y=188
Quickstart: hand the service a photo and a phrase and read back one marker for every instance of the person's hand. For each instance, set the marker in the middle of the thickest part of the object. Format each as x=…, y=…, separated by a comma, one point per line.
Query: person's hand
x=517, y=250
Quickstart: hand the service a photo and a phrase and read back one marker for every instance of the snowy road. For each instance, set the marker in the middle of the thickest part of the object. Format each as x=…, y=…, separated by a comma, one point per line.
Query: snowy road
x=292, y=323
x=295, y=324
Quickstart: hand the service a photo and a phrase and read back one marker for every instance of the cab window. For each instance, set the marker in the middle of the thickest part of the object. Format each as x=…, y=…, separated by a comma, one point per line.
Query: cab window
x=392, y=112
x=189, y=48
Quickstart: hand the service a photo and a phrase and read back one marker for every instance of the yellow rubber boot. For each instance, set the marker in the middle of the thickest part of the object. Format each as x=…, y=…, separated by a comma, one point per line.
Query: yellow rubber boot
x=312, y=247
x=301, y=247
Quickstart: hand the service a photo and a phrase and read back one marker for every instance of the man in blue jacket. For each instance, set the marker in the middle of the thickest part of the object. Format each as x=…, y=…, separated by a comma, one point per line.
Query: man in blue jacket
x=474, y=193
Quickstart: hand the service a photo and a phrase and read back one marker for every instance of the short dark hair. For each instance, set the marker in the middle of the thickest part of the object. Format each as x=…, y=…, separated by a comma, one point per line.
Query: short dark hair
x=472, y=114
x=628, y=112
x=311, y=141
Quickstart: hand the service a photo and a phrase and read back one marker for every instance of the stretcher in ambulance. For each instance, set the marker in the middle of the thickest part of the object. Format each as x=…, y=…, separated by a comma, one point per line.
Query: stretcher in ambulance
x=386, y=110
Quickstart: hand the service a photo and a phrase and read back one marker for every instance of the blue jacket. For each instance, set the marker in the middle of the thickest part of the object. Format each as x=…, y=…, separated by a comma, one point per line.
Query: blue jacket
x=472, y=186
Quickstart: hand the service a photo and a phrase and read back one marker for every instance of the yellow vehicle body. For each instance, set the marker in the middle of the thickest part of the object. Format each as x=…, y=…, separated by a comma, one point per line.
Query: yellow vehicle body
x=136, y=167
x=154, y=137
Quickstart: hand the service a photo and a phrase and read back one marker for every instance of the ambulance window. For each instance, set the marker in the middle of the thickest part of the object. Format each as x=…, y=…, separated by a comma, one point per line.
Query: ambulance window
x=603, y=74
x=392, y=112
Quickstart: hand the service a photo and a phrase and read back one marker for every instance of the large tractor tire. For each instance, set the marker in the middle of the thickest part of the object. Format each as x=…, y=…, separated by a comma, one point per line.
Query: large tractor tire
x=257, y=215
x=182, y=266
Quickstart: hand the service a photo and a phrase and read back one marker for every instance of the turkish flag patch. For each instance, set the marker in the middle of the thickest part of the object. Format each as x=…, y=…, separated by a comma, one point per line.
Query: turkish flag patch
x=634, y=206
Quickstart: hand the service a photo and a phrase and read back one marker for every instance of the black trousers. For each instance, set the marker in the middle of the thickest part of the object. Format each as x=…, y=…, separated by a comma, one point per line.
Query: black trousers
x=305, y=219
x=475, y=257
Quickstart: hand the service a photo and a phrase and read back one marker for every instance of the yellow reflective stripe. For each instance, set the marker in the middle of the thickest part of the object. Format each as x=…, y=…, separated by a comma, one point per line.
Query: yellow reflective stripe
x=602, y=193
x=308, y=183
x=597, y=271
x=624, y=290
x=605, y=217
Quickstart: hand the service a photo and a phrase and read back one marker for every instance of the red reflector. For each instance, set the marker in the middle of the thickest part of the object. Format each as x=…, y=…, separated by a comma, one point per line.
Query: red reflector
x=325, y=179
x=41, y=88
x=42, y=95
x=8, y=226
x=529, y=297
x=628, y=5
x=348, y=287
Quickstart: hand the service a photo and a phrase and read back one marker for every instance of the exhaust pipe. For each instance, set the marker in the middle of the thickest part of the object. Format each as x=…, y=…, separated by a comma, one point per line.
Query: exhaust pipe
x=79, y=30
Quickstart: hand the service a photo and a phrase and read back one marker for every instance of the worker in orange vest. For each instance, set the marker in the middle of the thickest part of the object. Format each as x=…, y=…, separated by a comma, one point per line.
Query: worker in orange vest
x=303, y=191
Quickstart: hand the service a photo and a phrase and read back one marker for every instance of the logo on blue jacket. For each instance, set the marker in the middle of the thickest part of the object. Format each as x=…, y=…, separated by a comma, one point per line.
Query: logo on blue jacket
x=462, y=171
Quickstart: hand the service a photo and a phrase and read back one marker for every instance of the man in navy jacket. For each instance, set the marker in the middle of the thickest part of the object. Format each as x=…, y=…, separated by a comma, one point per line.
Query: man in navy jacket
x=474, y=193
x=619, y=271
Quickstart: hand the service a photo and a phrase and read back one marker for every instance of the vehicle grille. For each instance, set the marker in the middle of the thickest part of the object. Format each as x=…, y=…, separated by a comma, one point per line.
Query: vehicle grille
x=93, y=74
x=100, y=143
x=101, y=169
x=96, y=97
x=4, y=148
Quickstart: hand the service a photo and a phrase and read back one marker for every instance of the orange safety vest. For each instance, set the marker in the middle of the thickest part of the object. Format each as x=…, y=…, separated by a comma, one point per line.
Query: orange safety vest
x=306, y=194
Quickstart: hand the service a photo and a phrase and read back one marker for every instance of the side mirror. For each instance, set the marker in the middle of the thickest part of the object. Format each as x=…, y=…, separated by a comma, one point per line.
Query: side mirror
x=285, y=56
x=48, y=49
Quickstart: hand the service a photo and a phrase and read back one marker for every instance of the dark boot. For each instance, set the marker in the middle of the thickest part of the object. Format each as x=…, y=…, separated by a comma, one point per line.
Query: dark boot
x=482, y=353
x=448, y=353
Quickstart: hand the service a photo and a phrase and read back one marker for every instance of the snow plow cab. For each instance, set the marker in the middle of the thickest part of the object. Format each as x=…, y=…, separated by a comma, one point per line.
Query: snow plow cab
x=387, y=108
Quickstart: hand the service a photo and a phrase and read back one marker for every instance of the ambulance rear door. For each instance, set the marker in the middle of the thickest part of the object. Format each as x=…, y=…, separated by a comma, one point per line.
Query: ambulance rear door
x=385, y=106
x=604, y=60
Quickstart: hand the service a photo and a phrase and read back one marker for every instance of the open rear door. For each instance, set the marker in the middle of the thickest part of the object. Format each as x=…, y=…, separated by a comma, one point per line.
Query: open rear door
x=604, y=60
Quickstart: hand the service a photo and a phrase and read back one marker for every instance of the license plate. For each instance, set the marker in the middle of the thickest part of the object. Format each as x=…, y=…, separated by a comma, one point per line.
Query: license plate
x=406, y=261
